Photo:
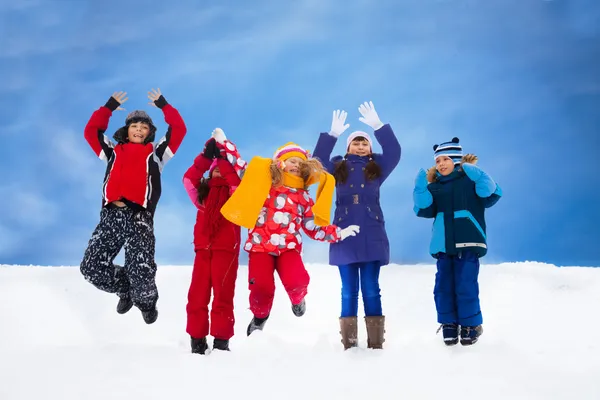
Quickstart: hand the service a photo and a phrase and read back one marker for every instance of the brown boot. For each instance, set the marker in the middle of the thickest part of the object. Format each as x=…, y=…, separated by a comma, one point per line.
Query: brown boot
x=375, y=331
x=349, y=331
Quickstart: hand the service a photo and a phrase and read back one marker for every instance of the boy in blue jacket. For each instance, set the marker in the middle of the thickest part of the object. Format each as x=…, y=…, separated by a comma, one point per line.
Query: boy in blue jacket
x=456, y=193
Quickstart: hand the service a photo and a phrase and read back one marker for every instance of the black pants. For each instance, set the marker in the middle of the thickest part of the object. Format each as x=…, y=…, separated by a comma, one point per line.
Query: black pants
x=134, y=230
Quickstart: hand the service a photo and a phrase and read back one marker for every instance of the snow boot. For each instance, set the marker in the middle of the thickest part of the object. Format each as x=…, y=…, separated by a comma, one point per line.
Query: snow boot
x=199, y=346
x=150, y=316
x=470, y=334
x=221, y=344
x=450, y=334
x=125, y=304
x=299, y=309
x=349, y=332
x=256, y=323
x=375, y=331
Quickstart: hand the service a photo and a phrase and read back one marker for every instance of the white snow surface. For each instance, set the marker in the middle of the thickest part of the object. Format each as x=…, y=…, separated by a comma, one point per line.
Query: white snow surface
x=60, y=338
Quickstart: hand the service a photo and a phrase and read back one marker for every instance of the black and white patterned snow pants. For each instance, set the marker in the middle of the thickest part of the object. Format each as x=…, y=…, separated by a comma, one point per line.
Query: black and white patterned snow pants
x=134, y=230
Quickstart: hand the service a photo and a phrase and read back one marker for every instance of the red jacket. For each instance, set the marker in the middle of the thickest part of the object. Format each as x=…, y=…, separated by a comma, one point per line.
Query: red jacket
x=227, y=236
x=285, y=213
x=133, y=170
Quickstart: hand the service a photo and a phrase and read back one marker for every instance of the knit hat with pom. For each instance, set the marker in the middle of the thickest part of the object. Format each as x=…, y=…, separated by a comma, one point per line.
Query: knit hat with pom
x=449, y=149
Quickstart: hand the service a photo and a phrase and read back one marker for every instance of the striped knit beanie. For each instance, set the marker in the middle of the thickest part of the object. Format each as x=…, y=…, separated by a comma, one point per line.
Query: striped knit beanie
x=290, y=150
x=449, y=149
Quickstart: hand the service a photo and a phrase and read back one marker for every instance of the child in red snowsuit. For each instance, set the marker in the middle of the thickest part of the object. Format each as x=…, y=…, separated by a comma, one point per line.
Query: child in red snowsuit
x=216, y=243
x=273, y=202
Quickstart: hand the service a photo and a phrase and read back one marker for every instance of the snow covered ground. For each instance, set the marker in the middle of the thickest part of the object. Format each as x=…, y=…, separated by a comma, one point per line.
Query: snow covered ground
x=61, y=339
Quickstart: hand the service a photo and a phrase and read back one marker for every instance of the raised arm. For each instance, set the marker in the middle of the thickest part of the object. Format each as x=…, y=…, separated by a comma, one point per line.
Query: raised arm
x=486, y=188
x=193, y=175
x=168, y=144
x=230, y=164
x=98, y=123
x=424, y=206
x=327, y=141
x=391, y=150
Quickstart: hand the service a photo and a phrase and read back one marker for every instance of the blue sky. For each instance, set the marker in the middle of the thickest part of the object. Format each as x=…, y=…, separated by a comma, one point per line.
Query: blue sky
x=517, y=81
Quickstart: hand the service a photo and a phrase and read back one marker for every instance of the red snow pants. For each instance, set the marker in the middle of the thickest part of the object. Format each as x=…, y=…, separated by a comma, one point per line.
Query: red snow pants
x=261, y=279
x=217, y=271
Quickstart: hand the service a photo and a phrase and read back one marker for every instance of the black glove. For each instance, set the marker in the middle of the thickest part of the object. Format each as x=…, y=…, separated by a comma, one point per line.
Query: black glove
x=161, y=102
x=112, y=104
x=211, y=150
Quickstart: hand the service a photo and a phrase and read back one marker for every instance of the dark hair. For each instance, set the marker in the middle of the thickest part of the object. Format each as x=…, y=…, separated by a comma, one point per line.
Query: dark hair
x=203, y=190
x=372, y=169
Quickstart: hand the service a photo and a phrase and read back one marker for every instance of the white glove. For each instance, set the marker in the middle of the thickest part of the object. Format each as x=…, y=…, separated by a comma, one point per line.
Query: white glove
x=219, y=135
x=337, y=123
x=351, y=230
x=369, y=115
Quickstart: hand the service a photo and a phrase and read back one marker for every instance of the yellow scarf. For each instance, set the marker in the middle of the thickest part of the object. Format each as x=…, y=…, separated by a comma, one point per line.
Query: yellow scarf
x=244, y=205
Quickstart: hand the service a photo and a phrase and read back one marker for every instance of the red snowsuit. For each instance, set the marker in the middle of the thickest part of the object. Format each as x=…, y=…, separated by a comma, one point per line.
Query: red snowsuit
x=275, y=244
x=217, y=245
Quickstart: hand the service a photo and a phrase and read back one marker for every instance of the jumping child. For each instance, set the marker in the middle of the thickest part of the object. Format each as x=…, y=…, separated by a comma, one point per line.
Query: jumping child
x=455, y=192
x=273, y=202
x=130, y=194
x=359, y=175
x=216, y=243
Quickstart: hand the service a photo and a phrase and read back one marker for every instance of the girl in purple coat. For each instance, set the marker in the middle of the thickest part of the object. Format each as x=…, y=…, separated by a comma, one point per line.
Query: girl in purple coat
x=359, y=174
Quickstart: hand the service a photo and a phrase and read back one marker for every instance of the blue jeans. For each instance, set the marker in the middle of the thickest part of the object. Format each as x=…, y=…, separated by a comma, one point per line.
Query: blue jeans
x=368, y=276
x=456, y=291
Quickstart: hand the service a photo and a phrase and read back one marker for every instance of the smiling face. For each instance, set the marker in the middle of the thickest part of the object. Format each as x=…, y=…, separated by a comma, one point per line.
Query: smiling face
x=138, y=132
x=444, y=165
x=292, y=166
x=360, y=147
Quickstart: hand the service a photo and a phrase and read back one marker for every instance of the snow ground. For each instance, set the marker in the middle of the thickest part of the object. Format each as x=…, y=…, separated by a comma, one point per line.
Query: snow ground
x=61, y=339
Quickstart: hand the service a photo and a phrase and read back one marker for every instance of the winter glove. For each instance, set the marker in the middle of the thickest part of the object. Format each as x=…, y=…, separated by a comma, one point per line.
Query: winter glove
x=210, y=149
x=219, y=135
x=421, y=181
x=369, y=115
x=338, y=125
x=484, y=184
x=351, y=230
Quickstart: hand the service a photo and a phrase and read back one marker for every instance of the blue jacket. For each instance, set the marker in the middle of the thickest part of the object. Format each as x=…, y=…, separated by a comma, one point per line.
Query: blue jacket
x=357, y=200
x=457, y=202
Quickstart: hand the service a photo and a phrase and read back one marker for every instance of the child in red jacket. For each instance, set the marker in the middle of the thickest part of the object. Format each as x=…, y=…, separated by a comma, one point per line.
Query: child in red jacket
x=273, y=202
x=216, y=243
x=130, y=193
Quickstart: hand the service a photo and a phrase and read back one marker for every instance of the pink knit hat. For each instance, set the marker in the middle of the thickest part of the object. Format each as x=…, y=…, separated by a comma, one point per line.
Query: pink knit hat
x=212, y=167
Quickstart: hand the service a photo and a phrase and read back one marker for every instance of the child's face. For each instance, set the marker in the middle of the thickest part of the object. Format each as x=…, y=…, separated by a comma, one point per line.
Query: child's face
x=216, y=173
x=444, y=165
x=360, y=147
x=292, y=165
x=138, y=132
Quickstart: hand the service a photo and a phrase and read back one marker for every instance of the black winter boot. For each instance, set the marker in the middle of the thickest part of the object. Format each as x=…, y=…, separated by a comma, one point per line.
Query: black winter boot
x=470, y=334
x=256, y=323
x=125, y=304
x=450, y=334
x=199, y=346
x=150, y=316
x=221, y=344
x=299, y=309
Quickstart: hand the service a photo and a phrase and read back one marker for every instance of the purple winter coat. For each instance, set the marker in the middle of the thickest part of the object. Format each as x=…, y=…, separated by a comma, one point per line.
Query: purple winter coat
x=357, y=200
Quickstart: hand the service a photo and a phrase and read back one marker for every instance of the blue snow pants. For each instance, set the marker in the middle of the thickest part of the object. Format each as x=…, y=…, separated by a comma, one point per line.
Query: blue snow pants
x=456, y=291
x=367, y=275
